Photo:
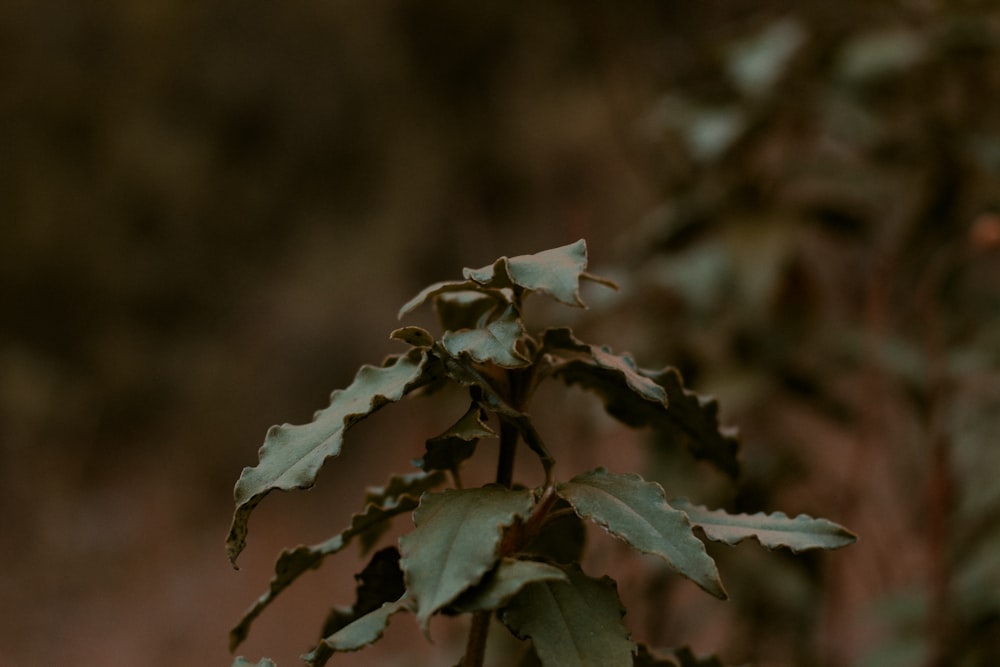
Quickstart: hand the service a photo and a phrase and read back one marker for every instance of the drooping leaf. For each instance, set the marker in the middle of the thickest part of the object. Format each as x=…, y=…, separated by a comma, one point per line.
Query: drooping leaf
x=575, y=623
x=291, y=456
x=398, y=496
x=494, y=343
x=381, y=582
x=637, y=512
x=609, y=370
x=503, y=583
x=456, y=541
x=448, y=450
x=679, y=416
x=554, y=272
x=771, y=530
x=240, y=661
x=435, y=290
x=360, y=633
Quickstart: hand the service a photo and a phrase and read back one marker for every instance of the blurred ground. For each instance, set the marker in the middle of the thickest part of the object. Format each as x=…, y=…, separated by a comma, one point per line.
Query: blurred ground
x=210, y=213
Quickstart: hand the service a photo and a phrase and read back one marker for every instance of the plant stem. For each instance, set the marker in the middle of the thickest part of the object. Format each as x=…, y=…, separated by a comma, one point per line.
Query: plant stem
x=508, y=448
x=475, y=648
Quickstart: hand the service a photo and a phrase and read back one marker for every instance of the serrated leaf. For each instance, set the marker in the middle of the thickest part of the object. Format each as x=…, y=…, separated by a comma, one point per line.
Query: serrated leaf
x=291, y=456
x=448, y=450
x=416, y=336
x=554, y=272
x=637, y=512
x=509, y=577
x=575, y=623
x=240, y=661
x=771, y=530
x=494, y=343
x=456, y=541
x=682, y=418
x=382, y=504
x=360, y=633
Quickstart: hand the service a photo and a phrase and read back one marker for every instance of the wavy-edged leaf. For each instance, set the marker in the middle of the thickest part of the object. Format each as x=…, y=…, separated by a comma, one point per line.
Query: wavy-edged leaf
x=291, y=456
x=608, y=370
x=360, y=633
x=555, y=272
x=504, y=582
x=681, y=417
x=240, y=661
x=456, y=542
x=494, y=343
x=771, y=530
x=575, y=623
x=381, y=504
x=448, y=450
x=637, y=512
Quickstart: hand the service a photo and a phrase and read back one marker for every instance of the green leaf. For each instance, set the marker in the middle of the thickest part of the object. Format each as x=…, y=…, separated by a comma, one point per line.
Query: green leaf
x=448, y=450
x=572, y=624
x=243, y=662
x=495, y=343
x=503, y=583
x=771, y=530
x=554, y=272
x=382, y=504
x=360, y=633
x=292, y=456
x=636, y=511
x=456, y=542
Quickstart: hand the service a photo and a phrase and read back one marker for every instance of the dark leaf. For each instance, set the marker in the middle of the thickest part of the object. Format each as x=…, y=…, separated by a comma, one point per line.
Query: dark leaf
x=448, y=450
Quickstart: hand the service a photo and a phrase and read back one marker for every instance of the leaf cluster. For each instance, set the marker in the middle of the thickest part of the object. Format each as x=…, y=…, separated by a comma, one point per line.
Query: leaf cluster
x=502, y=549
